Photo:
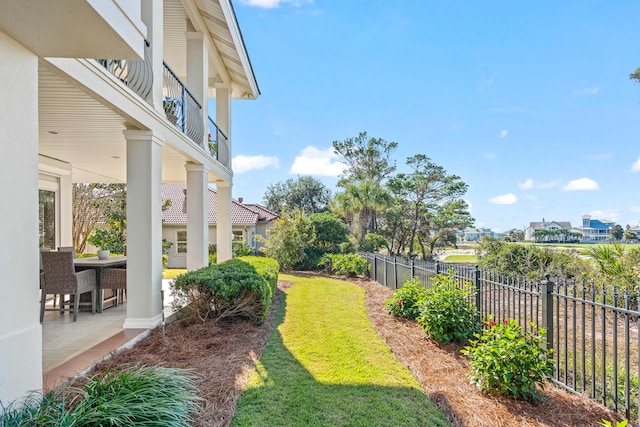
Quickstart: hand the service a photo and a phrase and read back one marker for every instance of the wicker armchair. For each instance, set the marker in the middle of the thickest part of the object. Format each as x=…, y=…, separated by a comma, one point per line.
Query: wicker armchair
x=61, y=278
x=114, y=278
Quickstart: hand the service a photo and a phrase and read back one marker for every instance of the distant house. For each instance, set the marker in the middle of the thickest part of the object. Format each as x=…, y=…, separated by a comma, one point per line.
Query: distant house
x=594, y=230
x=247, y=221
x=475, y=234
x=529, y=232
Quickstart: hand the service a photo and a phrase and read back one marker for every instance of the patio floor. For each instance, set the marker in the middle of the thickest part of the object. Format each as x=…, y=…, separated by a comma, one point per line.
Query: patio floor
x=69, y=348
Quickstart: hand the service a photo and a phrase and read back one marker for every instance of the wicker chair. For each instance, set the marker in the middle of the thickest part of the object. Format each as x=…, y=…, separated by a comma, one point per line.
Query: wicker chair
x=114, y=278
x=61, y=278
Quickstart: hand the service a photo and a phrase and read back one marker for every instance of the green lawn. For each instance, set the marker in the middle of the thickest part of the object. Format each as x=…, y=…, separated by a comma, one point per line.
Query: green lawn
x=461, y=258
x=324, y=365
x=172, y=273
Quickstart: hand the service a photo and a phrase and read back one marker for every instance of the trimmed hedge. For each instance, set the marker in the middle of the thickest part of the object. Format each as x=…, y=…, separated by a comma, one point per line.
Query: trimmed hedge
x=268, y=268
x=235, y=289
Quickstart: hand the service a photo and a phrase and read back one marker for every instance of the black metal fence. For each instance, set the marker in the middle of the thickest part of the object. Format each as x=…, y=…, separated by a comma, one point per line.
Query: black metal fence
x=593, y=330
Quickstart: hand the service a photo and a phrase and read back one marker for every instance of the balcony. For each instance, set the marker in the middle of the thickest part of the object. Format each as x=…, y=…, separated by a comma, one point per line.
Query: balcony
x=180, y=106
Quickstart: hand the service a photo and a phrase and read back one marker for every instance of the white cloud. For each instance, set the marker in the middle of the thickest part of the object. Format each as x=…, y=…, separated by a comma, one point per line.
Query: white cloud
x=635, y=209
x=312, y=161
x=587, y=91
x=530, y=197
x=505, y=199
x=610, y=214
x=242, y=163
x=531, y=183
x=582, y=184
x=636, y=166
x=504, y=133
x=272, y=4
x=489, y=156
x=469, y=205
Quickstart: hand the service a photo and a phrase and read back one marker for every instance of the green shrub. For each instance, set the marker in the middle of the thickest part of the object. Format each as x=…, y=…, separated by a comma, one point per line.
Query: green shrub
x=240, y=249
x=229, y=290
x=213, y=259
x=140, y=396
x=509, y=361
x=350, y=265
x=406, y=300
x=136, y=396
x=445, y=313
x=268, y=268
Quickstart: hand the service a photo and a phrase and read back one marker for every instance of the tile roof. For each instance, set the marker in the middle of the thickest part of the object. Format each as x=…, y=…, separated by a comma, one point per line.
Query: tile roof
x=176, y=214
x=264, y=214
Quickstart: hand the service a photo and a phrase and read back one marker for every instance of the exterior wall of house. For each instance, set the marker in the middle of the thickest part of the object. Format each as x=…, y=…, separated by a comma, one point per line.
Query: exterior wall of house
x=20, y=330
x=176, y=259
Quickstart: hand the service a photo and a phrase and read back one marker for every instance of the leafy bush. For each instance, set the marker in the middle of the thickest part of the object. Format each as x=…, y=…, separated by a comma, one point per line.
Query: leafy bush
x=136, y=396
x=213, y=259
x=350, y=265
x=240, y=249
x=445, y=313
x=266, y=267
x=108, y=239
x=229, y=290
x=287, y=240
x=406, y=300
x=373, y=243
x=509, y=361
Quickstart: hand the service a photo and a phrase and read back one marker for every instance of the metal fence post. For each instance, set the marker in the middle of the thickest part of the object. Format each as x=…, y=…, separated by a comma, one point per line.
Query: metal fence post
x=437, y=267
x=375, y=270
x=385, y=271
x=476, y=286
x=395, y=273
x=413, y=268
x=546, y=293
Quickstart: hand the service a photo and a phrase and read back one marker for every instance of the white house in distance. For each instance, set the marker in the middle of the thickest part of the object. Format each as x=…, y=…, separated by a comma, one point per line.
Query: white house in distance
x=247, y=221
x=110, y=91
x=545, y=225
x=591, y=231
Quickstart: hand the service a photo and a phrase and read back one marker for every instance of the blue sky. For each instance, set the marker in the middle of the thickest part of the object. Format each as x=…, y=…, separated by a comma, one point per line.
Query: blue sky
x=528, y=102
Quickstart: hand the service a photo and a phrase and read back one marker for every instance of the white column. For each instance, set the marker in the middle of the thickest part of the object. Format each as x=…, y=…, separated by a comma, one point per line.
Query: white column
x=223, y=226
x=66, y=210
x=152, y=16
x=197, y=216
x=144, y=229
x=20, y=329
x=197, y=74
x=223, y=120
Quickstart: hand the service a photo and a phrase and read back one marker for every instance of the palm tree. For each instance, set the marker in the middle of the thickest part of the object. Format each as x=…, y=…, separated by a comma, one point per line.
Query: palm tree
x=364, y=199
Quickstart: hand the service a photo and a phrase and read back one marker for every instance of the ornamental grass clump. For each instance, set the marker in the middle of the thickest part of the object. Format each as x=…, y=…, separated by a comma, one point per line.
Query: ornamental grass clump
x=139, y=396
x=445, y=313
x=509, y=361
x=406, y=300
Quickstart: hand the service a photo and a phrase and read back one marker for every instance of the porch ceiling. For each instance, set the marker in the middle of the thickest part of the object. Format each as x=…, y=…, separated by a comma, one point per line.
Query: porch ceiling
x=228, y=60
x=78, y=129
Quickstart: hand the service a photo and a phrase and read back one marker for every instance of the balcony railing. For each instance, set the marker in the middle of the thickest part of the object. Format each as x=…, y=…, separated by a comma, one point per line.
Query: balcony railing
x=137, y=75
x=181, y=106
x=218, y=143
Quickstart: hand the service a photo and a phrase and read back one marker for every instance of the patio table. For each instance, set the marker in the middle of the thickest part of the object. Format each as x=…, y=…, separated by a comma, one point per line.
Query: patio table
x=98, y=265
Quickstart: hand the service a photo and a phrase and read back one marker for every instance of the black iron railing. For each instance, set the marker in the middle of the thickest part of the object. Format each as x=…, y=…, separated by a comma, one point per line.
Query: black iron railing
x=137, y=75
x=181, y=107
x=593, y=330
x=218, y=143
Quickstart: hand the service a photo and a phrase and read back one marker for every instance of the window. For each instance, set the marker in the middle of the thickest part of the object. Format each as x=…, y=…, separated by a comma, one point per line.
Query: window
x=238, y=236
x=181, y=242
x=47, y=218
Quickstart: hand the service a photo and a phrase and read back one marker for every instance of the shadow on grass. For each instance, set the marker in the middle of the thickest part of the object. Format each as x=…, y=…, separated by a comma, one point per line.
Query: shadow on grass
x=286, y=394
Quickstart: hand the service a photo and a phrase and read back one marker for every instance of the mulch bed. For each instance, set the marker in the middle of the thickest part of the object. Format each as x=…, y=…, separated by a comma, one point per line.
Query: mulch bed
x=223, y=354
